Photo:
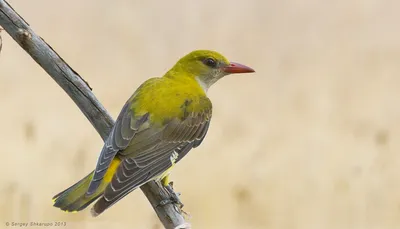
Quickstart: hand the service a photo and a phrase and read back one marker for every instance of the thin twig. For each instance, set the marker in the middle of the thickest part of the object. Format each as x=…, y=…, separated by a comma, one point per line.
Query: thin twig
x=81, y=94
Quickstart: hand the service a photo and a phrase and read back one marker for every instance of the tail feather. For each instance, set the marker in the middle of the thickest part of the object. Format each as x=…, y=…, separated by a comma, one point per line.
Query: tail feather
x=74, y=198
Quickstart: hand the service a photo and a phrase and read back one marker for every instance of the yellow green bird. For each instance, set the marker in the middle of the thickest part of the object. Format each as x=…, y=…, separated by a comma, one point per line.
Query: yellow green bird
x=160, y=123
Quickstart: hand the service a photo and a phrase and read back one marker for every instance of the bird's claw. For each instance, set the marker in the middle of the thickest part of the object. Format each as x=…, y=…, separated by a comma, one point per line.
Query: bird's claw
x=173, y=197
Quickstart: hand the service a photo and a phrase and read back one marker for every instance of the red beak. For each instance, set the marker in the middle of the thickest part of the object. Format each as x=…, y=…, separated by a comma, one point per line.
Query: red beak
x=237, y=68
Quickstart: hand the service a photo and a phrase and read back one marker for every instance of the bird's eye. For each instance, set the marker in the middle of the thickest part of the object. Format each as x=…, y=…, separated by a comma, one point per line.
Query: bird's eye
x=210, y=62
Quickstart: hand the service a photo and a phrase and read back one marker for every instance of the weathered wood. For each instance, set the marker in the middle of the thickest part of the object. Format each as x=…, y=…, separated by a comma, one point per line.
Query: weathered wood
x=80, y=93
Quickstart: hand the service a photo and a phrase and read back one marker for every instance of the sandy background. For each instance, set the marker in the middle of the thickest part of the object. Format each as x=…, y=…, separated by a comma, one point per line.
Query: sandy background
x=311, y=141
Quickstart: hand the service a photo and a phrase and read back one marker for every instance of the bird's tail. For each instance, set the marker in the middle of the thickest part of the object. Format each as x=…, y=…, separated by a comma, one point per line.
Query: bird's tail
x=74, y=198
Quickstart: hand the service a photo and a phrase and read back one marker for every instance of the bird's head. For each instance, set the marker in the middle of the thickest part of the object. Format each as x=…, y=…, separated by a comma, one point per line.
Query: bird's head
x=207, y=67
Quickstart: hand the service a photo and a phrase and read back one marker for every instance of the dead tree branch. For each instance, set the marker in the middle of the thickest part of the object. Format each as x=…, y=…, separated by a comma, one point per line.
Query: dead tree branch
x=81, y=94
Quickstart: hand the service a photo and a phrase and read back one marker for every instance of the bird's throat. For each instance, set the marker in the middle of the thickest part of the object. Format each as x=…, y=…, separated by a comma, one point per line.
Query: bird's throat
x=202, y=84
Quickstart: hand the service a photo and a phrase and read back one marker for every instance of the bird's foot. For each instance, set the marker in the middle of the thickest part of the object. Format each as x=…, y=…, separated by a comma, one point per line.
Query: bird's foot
x=173, y=196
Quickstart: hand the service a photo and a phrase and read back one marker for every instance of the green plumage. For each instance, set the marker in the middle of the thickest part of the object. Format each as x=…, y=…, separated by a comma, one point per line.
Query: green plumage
x=162, y=121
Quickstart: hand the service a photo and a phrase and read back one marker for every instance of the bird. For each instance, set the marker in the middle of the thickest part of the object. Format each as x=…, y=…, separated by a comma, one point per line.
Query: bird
x=160, y=123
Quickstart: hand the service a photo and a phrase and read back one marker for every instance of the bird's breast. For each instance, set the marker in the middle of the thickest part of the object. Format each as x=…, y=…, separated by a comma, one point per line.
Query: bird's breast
x=165, y=101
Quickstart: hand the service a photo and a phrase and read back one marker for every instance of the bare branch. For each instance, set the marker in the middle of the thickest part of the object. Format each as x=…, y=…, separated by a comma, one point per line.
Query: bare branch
x=81, y=94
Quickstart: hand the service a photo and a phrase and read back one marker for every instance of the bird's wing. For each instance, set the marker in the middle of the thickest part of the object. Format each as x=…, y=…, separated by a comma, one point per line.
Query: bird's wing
x=152, y=151
x=128, y=177
x=154, y=141
x=125, y=128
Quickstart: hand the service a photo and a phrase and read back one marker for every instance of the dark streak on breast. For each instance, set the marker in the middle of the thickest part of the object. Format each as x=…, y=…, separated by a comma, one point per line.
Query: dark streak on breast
x=184, y=107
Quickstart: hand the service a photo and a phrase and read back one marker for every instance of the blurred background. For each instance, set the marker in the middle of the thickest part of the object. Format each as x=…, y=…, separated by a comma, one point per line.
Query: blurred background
x=310, y=141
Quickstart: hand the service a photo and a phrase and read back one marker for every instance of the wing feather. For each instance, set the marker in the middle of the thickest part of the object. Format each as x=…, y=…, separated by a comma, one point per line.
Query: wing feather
x=122, y=133
x=146, y=150
x=128, y=179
